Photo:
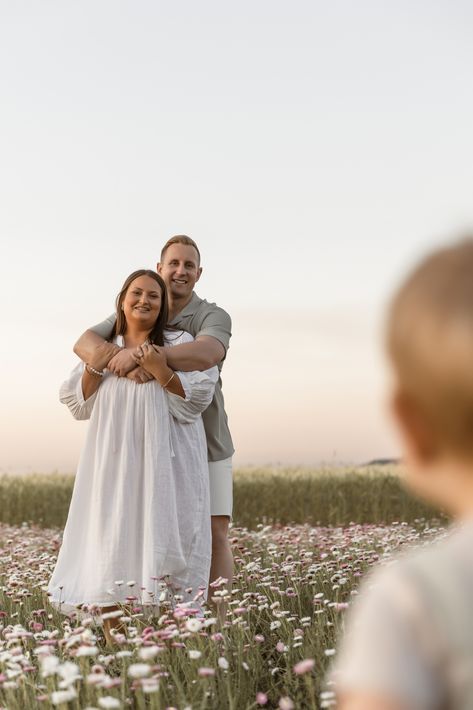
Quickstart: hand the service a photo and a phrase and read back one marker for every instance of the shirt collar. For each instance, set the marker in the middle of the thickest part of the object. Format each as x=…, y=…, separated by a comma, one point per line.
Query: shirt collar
x=188, y=310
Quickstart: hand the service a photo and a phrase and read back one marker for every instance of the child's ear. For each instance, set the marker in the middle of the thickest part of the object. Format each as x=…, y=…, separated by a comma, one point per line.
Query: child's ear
x=418, y=438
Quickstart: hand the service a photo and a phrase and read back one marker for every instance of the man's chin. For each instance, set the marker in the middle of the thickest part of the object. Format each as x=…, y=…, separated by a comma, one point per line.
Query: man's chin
x=179, y=292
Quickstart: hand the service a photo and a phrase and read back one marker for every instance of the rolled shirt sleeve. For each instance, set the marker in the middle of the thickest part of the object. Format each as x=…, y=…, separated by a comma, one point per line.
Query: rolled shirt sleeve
x=218, y=324
x=105, y=327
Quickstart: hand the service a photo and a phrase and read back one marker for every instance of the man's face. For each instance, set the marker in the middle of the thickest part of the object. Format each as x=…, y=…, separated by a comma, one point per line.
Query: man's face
x=180, y=270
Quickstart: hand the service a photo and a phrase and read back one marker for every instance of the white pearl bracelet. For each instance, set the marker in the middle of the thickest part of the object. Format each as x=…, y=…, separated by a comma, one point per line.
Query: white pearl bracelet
x=92, y=371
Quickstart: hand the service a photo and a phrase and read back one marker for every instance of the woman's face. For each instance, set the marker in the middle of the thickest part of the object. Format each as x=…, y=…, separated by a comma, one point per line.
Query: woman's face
x=142, y=302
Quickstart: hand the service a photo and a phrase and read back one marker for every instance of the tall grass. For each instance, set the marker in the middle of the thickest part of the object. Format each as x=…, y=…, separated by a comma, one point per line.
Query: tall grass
x=325, y=496
x=36, y=498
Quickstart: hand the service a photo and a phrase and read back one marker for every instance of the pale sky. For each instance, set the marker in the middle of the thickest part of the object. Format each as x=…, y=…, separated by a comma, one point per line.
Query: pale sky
x=312, y=149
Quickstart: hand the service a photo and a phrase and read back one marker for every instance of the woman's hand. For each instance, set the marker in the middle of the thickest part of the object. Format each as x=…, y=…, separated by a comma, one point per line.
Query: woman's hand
x=153, y=359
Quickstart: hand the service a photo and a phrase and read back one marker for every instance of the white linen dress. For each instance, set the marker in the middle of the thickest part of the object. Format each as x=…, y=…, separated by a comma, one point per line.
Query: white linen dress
x=140, y=506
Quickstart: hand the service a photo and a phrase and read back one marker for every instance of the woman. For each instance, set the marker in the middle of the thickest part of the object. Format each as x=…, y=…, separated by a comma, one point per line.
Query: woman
x=140, y=506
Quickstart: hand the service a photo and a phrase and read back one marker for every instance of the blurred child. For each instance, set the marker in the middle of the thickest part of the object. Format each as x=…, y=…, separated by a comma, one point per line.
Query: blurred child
x=409, y=640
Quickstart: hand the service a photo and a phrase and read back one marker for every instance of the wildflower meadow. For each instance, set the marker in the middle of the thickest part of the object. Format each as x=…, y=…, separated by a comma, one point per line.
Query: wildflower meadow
x=266, y=643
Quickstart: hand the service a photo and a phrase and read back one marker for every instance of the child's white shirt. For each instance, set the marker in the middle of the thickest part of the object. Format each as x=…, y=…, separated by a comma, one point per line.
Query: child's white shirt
x=410, y=632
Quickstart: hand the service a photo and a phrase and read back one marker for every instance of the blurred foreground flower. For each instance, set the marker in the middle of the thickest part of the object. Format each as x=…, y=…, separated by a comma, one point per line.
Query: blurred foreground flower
x=193, y=625
x=58, y=697
x=86, y=651
x=150, y=685
x=109, y=702
x=69, y=672
x=138, y=670
x=206, y=672
x=112, y=614
x=304, y=666
x=49, y=664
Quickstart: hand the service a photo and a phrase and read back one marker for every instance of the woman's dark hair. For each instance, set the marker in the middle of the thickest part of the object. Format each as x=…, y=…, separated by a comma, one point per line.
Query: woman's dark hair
x=156, y=335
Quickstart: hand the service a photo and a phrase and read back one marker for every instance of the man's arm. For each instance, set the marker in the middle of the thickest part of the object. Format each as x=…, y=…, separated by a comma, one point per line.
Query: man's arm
x=87, y=345
x=121, y=361
x=93, y=338
x=202, y=354
x=209, y=347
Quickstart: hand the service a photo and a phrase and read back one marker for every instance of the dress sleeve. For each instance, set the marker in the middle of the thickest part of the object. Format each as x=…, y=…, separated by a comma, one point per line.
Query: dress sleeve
x=105, y=328
x=198, y=388
x=72, y=396
x=383, y=650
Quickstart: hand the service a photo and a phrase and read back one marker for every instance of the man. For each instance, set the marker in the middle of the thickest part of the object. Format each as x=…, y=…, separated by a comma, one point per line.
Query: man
x=179, y=266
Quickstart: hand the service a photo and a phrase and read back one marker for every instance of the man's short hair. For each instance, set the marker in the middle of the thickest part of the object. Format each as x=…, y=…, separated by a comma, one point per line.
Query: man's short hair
x=180, y=239
x=430, y=343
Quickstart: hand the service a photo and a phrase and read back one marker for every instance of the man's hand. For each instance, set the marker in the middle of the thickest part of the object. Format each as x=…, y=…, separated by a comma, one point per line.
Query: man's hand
x=102, y=354
x=139, y=375
x=122, y=363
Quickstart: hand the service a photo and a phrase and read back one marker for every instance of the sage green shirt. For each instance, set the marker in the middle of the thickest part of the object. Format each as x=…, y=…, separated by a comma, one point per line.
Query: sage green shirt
x=200, y=317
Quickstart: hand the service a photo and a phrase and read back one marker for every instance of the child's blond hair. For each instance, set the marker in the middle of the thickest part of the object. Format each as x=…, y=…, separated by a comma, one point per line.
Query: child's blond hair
x=430, y=342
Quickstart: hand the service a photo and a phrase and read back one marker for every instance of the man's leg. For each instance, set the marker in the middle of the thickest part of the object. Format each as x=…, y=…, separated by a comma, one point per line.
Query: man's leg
x=222, y=561
x=222, y=558
x=221, y=504
x=114, y=623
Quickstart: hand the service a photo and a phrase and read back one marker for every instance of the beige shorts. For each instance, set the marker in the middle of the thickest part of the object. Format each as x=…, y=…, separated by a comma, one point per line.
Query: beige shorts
x=221, y=487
